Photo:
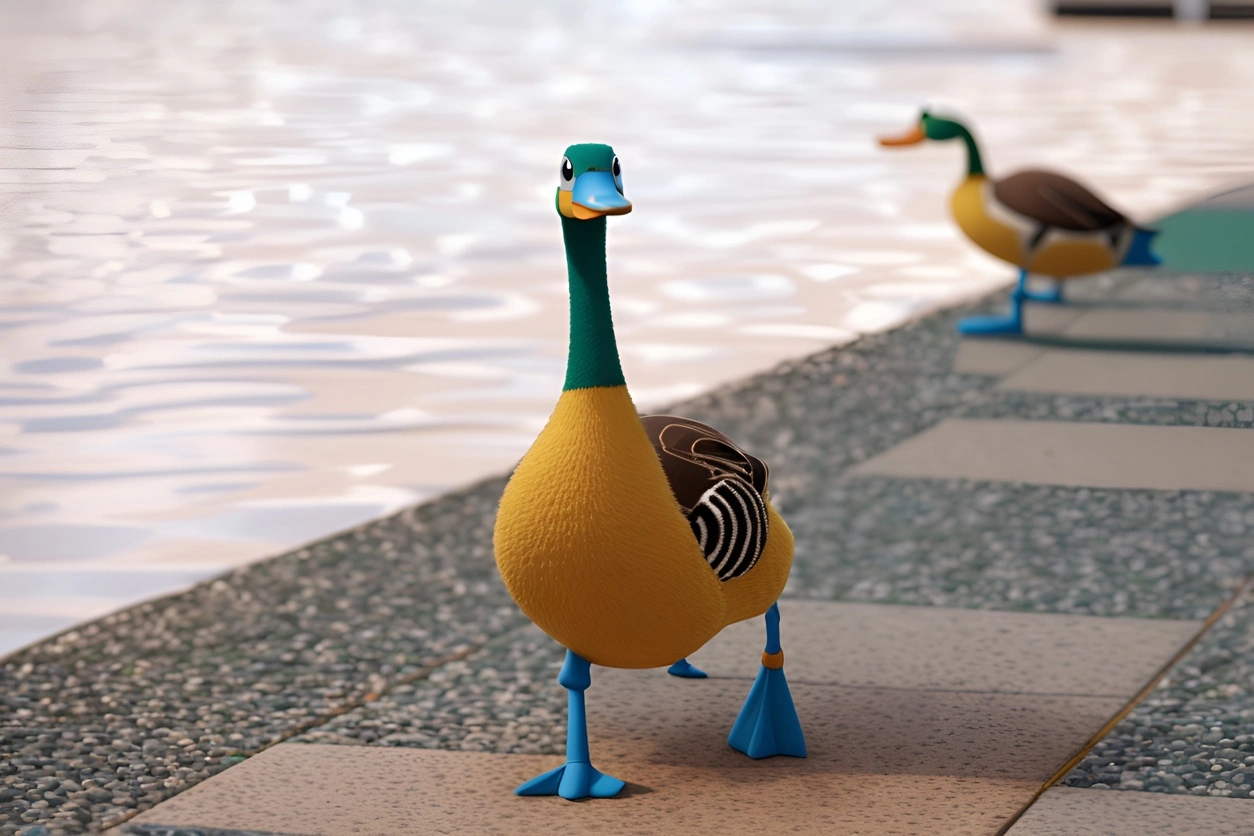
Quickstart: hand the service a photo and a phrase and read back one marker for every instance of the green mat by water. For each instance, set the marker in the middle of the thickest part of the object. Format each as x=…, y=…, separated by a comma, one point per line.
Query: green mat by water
x=1207, y=240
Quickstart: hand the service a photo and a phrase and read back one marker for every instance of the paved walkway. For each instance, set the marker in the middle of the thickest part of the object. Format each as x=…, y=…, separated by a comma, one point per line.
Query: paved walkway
x=1002, y=548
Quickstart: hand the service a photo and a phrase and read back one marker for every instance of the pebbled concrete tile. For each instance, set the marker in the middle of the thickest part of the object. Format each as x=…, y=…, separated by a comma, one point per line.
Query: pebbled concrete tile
x=1091, y=455
x=870, y=645
x=1044, y=406
x=1032, y=548
x=1063, y=811
x=1195, y=733
x=334, y=790
x=1135, y=374
x=1214, y=291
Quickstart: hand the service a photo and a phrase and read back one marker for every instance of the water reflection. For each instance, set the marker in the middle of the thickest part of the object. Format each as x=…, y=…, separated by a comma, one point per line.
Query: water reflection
x=267, y=274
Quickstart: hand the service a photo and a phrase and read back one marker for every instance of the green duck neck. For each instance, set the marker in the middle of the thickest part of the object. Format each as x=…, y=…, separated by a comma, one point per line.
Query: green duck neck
x=593, y=356
x=975, y=166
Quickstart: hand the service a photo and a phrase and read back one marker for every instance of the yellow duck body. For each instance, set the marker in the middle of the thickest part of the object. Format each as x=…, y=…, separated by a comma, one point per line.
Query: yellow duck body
x=1006, y=234
x=632, y=541
x=590, y=538
x=595, y=549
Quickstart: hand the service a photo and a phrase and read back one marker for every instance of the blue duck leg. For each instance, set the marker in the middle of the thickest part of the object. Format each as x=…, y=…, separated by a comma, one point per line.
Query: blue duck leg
x=1053, y=296
x=686, y=669
x=989, y=325
x=768, y=723
x=577, y=778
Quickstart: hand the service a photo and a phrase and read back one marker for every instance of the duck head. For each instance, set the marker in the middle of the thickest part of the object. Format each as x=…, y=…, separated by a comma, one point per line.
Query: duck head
x=930, y=126
x=937, y=125
x=590, y=183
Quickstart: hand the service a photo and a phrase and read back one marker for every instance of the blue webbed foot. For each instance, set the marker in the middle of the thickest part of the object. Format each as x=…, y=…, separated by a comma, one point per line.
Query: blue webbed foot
x=1053, y=296
x=1011, y=324
x=687, y=670
x=573, y=781
x=768, y=723
x=988, y=325
x=578, y=778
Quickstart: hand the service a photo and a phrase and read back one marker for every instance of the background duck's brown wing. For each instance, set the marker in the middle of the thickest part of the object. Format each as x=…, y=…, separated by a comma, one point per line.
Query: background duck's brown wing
x=1054, y=200
x=720, y=488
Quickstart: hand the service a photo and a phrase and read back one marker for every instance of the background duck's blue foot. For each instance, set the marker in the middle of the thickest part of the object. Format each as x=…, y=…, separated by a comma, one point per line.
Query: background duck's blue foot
x=988, y=325
x=768, y=723
x=686, y=669
x=1053, y=296
x=1011, y=324
x=573, y=781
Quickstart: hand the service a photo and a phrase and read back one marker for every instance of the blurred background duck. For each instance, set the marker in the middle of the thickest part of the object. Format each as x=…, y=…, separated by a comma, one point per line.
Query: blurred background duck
x=1042, y=222
x=631, y=541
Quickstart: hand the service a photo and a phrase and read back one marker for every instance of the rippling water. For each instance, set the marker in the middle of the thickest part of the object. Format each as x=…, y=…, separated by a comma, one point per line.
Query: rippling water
x=270, y=269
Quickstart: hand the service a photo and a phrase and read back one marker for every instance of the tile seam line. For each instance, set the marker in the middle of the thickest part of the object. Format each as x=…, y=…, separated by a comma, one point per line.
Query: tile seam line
x=321, y=720
x=1211, y=620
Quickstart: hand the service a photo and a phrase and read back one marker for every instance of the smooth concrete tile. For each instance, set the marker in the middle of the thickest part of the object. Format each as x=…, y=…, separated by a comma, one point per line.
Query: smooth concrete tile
x=335, y=790
x=1046, y=319
x=1075, y=454
x=1066, y=811
x=162, y=830
x=1131, y=374
x=866, y=645
x=993, y=358
x=1165, y=326
x=916, y=739
x=647, y=717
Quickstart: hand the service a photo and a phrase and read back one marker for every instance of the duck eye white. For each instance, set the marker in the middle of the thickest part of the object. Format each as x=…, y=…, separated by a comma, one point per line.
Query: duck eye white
x=568, y=170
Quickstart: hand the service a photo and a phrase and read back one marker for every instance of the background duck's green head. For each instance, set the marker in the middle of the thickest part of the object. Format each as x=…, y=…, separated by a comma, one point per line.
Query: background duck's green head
x=590, y=183
x=931, y=125
x=939, y=126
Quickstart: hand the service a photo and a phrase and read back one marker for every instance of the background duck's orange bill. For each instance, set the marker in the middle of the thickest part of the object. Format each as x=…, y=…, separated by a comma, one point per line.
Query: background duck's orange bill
x=915, y=135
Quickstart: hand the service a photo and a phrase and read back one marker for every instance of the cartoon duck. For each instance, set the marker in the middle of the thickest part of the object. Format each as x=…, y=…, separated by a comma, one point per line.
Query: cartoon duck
x=631, y=541
x=1039, y=221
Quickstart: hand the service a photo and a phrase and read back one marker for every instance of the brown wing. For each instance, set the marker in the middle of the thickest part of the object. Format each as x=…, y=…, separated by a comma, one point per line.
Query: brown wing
x=696, y=456
x=1054, y=200
x=720, y=488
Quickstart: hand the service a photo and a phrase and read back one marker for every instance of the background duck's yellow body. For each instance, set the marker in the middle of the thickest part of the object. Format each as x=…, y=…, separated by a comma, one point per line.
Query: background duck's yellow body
x=1006, y=234
x=594, y=547
x=1040, y=221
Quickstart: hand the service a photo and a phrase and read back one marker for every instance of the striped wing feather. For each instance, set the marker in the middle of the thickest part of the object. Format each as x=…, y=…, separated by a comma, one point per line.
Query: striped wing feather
x=730, y=523
x=720, y=488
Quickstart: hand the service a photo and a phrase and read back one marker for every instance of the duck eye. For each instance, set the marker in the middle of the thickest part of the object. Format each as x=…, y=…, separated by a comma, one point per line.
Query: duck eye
x=568, y=172
x=617, y=171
